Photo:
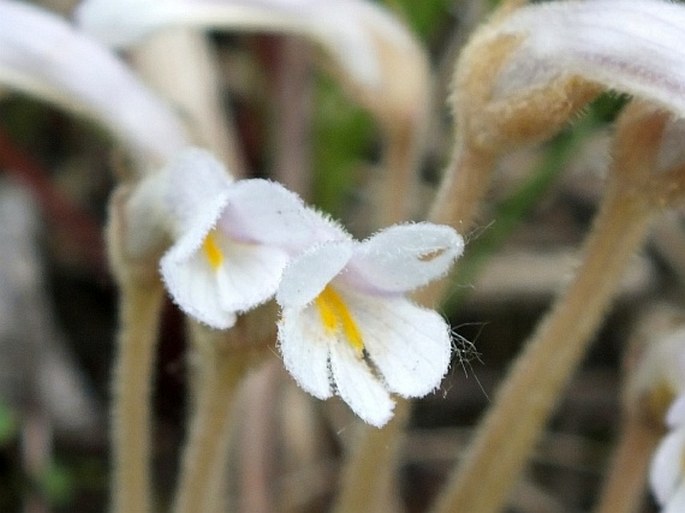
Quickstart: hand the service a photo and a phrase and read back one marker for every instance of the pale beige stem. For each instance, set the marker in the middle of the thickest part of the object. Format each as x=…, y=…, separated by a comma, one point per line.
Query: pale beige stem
x=496, y=457
x=205, y=454
x=367, y=476
x=400, y=167
x=464, y=185
x=624, y=489
x=257, y=451
x=140, y=304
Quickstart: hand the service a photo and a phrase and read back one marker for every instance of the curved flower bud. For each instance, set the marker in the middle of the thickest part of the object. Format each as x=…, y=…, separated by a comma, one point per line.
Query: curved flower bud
x=347, y=327
x=232, y=239
x=42, y=55
x=527, y=72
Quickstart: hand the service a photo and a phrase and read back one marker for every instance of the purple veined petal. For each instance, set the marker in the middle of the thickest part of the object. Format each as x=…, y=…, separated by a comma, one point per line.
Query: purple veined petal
x=409, y=345
x=42, y=55
x=304, y=346
x=632, y=46
x=402, y=258
x=358, y=387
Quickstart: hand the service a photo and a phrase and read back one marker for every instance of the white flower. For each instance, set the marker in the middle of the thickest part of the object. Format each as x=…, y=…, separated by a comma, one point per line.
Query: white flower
x=633, y=46
x=347, y=327
x=232, y=239
x=42, y=55
x=667, y=476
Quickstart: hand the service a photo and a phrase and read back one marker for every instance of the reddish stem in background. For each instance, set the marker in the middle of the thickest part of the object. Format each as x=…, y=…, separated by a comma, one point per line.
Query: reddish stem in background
x=82, y=232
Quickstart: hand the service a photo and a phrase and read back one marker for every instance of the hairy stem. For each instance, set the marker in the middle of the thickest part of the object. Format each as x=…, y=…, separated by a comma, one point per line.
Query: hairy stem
x=624, y=489
x=206, y=452
x=525, y=401
x=140, y=304
x=369, y=471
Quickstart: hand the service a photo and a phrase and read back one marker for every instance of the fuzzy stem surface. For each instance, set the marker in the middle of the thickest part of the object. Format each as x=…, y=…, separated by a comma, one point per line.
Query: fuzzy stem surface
x=206, y=452
x=505, y=438
x=624, y=489
x=140, y=305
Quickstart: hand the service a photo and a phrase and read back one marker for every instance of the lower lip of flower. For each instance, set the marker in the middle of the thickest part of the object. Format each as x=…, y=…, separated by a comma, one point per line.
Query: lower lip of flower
x=335, y=316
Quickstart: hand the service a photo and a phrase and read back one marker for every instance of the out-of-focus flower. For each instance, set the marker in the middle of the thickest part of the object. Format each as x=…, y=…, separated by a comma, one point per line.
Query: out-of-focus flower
x=347, y=327
x=232, y=239
x=527, y=72
x=349, y=30
x=375, y=57
x=42, y=55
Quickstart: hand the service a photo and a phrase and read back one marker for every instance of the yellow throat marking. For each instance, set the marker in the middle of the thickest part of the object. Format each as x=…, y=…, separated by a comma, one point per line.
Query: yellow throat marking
x=212, y=251
x=335, y=316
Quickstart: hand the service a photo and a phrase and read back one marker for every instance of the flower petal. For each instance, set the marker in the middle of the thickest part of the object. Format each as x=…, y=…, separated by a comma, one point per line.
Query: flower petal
x=409, y=345
x=41, y=54
x=666, y=472
x=677, y=502
x=404, y=257
x=194, y=287
x=266, y=212
x=307, y=275
x=196, y=189
x=358, y=387
x=304, y=346
x=250, y=274
x=633, y=46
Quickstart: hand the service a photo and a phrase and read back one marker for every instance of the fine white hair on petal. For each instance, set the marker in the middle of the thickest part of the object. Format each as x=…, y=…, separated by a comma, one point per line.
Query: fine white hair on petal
x=633, y=46
x=307, y=275
x=410, y=346
x=404, y=257
x=305, y=345
x=666, y=472
x=266, y=212
x=194, y=288
x=358, y=387
x=42, y=55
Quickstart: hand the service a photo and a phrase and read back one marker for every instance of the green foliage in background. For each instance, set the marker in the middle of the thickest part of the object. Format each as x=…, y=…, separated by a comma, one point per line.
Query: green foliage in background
x=424, y=16
x=344, y=135
x=8, y=424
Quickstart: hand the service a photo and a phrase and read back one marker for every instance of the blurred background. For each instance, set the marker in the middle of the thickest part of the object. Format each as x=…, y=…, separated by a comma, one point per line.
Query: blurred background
x=58, y=300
